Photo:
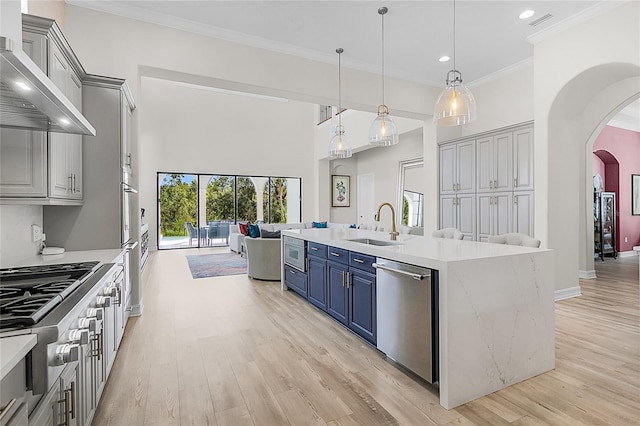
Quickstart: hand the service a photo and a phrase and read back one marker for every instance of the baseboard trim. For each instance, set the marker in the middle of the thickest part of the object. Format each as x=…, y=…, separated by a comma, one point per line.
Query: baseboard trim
x=136, y=310
x=588, y=275
x=630, y=253
x=567, y=293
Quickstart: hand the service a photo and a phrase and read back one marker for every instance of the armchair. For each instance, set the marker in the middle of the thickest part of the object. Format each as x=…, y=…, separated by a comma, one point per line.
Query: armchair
x=514, y=239
x=450, y=233
x=263, y=258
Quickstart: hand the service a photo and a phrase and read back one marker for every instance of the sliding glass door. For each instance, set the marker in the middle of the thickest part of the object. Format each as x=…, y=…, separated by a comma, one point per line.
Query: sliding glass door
x=177, y=210
x=197, y=210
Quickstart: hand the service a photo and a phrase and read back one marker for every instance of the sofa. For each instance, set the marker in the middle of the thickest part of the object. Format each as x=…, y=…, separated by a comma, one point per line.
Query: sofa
x=236, y=238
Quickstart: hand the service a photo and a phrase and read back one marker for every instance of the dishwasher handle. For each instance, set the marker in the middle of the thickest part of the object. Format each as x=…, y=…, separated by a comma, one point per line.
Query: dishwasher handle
x=382, y=266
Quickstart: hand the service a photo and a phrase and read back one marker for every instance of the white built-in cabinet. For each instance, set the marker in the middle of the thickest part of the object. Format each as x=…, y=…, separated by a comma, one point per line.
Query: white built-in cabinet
x=498, y=196
x=45, y=167
x=457, y=187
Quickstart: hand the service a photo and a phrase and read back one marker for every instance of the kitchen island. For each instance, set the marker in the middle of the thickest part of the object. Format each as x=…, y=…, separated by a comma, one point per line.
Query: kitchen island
x=496, y=306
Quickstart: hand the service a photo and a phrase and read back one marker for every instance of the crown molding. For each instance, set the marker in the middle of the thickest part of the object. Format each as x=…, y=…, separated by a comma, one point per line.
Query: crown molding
x=585, y=15
x=525, y=63
x=139, y=14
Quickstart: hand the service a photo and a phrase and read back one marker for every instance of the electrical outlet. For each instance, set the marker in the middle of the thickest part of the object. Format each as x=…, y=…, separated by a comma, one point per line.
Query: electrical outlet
x=626, y=239
x=36, y=233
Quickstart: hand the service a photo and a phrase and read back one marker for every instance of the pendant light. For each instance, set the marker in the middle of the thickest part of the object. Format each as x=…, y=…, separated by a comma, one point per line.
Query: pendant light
x=383, y=131
x=456, y=104
x=339, y=147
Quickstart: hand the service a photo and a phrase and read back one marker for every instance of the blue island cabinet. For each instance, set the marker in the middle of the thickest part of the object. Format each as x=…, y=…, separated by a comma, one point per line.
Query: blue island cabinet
x=317, y=280
x=352, y=291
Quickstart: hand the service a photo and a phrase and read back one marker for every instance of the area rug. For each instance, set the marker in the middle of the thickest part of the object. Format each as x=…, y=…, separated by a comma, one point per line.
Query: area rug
x=216, y=265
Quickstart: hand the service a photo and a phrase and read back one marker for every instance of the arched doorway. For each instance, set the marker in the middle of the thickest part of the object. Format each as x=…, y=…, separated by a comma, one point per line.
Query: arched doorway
x=577, y=115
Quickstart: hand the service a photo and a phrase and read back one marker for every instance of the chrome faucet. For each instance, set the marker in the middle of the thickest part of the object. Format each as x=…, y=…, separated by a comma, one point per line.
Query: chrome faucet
x=394, y=234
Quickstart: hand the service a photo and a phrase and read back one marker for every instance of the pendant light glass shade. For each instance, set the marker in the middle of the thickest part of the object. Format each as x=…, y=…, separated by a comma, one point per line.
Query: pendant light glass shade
x=339, y=147
x=383, y=130
x=456, y=104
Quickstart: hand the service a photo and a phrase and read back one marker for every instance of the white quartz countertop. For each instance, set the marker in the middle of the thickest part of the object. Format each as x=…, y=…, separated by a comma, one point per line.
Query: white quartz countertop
x=417, y=250
x=13, y=349
x=102, y=256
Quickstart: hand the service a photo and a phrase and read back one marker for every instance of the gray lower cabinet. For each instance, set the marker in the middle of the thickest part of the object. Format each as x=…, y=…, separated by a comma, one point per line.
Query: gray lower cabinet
x=61, y=405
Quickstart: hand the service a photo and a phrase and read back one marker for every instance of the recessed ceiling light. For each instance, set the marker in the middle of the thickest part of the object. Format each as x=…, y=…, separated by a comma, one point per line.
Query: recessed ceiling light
x=526, y=14
x=64, y=121
x=23, y=86
x=444, y=58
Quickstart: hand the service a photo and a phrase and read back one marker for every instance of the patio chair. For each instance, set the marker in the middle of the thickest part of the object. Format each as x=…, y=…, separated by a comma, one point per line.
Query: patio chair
x=191, y=231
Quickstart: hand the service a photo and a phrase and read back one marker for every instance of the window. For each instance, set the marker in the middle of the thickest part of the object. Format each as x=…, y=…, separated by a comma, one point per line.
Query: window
x=193, y=209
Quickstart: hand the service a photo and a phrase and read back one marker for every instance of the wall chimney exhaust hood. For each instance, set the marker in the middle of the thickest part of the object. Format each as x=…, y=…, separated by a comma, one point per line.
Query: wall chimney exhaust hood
x=30, y=100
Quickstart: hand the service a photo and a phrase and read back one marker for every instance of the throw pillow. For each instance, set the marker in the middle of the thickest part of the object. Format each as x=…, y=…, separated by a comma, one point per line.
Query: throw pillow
x=269, y=234
x=319, y=224
x=244, y=228
x=254, y=231
x=353, y=225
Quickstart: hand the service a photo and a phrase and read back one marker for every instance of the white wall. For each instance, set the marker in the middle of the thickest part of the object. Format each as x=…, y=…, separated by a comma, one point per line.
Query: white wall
x=582, y=77
x=383, y=162
x=15, y=233
x=191, y=130
x=501, y=102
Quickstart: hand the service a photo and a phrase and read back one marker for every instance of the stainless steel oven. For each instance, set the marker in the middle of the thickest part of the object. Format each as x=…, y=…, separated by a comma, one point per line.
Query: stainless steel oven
x=294, y=253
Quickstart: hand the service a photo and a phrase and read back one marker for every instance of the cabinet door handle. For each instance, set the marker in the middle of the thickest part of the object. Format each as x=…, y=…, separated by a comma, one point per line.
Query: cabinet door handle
x=65, y=401
x=490, y=184
x=348, y=279
x=343, y=278
x=7, y=408
x=72, y=392
x=306, y=264
x=515, y=200
x=515, y=182
x=358, y=260
x=70, y=189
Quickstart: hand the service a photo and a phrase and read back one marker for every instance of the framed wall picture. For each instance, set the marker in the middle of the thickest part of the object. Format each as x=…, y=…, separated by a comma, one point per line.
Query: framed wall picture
x=340, y=191
x=635, y=195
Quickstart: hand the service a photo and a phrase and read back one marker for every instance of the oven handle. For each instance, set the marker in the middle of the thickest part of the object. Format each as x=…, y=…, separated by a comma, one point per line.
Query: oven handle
x=130, y=246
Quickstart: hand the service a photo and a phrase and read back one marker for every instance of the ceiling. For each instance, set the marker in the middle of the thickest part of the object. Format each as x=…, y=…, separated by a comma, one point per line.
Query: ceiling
x=489, y=36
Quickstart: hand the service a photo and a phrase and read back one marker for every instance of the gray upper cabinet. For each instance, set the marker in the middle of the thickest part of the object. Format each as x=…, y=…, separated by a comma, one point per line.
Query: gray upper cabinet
x=108, y=105
x=41, y=167
x=523, y=160
x=494, y=163
x=457, y=168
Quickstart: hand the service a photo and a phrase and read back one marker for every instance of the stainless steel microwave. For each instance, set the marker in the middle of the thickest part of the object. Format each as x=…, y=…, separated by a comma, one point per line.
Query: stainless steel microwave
x=294, y=253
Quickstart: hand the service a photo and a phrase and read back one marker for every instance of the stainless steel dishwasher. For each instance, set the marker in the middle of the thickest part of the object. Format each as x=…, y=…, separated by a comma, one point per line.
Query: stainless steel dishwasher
x=407, y=308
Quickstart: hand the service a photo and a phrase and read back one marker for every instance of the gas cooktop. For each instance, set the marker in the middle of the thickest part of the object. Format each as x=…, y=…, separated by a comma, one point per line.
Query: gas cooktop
x=27, y=294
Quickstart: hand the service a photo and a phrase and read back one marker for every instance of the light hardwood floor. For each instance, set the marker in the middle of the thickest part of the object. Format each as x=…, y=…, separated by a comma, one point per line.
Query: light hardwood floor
x=234, y=351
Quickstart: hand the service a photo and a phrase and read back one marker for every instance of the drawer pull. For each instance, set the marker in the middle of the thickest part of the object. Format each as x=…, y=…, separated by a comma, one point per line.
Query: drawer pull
x=314, y=248
x=335, y=254
x=292, y=272
x=358, y=260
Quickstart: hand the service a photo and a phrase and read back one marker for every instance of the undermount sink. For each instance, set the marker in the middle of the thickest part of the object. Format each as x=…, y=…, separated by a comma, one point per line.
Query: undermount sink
x=375, y=242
